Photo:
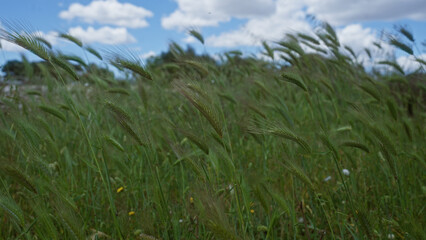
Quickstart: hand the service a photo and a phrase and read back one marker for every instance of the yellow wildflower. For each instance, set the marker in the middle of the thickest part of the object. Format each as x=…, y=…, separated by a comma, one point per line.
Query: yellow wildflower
x=191, y=200
x=251, y=210
x=131, y=213
x=120, y=189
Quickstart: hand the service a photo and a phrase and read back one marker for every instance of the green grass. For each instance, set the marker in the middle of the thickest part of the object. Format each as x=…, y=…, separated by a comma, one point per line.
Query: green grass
x=196, y=150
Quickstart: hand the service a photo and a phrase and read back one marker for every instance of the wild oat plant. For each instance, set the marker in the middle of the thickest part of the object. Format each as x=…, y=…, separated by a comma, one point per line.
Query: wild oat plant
x=306, y=144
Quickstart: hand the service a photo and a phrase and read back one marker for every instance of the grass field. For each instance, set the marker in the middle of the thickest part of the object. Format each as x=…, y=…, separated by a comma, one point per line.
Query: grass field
x=300, y=147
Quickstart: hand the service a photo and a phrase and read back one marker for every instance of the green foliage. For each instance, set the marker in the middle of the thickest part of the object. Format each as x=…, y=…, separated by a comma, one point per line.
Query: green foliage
x=35, y=44
x=355, y=145
x=295, y=79
x=71, y=38
x=53, y=111
x=58, y=61
x=74, y=58
x=27, y=41
x=14, y=69
x=125, y=121
x=401, y=45
x=197, y=35
x=94, y=52
x=406, y=33
x=268, y=50
x=394, y=65
x=210, y=150
x=18, y=177
x=201, y=101
x=131, y=64
x=44, y=41
x=12, y=209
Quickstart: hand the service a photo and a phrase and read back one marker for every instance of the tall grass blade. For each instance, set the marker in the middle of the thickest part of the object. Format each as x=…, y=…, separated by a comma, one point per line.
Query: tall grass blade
x=196, y=140
x=115, y=143
x=299, y=173
x=197, y=35
x=53, y=111
x=12, y=208
x=19, y=177
x=407, y=33
x=65, y=66
x=295, y=79
x=204, y=106
x=94, y=52
x=130, y=64
x=393, y=65
x=355, y=144
x=400, y=45
x=71, y=38
x=44, y=41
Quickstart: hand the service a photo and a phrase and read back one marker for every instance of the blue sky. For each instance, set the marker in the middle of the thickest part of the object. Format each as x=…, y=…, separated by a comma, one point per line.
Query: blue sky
x=147, y=26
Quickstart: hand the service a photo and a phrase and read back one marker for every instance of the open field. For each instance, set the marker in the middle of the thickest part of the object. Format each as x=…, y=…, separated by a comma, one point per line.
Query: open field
x=313, y=148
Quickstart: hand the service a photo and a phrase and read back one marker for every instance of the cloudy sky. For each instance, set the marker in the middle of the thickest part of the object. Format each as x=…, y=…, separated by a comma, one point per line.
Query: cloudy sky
x=148, y=26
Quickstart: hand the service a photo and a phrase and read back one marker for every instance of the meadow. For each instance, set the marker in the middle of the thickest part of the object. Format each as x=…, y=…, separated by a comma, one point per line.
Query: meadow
x=304, y=144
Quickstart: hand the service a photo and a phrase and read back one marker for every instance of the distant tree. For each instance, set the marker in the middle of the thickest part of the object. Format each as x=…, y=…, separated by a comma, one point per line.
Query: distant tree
x=176, y=53
x=102, y=72
x=13, y=69
x=36, y=71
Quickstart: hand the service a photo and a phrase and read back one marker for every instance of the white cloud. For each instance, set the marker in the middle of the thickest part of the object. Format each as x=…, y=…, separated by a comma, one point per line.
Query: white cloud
x=201, y=13
x=239, y=37
x=271, y=19
x=109, y=12
x=271, y=29
x=287, y=18
x=148, y=55
x=217, y=57
x=340, y=12
x=358, y=39
x=104, y=35
x=189, y=39
x=409, y=63
x=7, y=46
x=10, y=47
x=51, y=37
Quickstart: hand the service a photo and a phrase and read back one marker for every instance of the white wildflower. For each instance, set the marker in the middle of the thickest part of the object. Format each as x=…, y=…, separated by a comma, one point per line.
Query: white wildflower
x=345, y=172
x=327, y=179
x=231, y=188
